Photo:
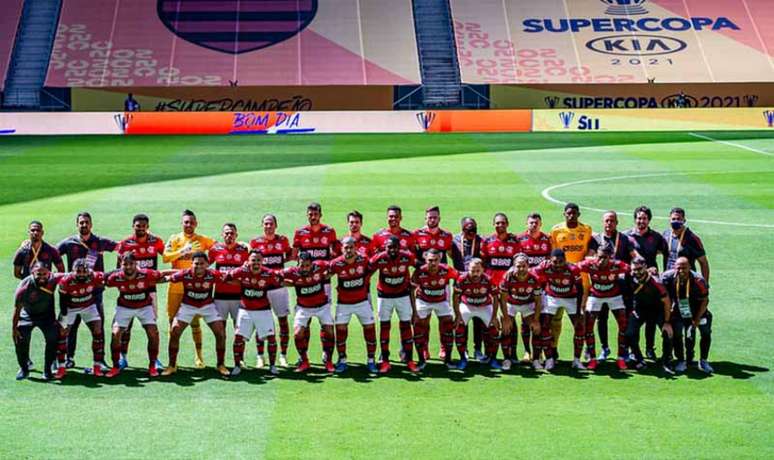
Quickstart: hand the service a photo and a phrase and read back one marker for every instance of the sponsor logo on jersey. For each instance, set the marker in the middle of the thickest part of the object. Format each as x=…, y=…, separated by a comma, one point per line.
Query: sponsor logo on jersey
x=82, y=299
x=135, y=297
x=349, y=284
x=603, y=287
x=477, y=301
x=253, y=293
x=309, y=290
x=434, y=292
x=394, y=281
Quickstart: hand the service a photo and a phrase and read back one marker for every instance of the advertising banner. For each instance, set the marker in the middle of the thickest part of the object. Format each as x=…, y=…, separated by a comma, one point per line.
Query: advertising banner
x=50, y=123
x=229, y=99
x=731, y=119
x=475, y=121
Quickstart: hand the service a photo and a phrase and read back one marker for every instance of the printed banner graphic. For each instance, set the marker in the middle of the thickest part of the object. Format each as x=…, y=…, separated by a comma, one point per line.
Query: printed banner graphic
x=143, y=43
x=614, y=41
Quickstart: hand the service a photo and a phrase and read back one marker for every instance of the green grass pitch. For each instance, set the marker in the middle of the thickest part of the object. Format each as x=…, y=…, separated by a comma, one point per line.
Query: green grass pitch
x=442, y=414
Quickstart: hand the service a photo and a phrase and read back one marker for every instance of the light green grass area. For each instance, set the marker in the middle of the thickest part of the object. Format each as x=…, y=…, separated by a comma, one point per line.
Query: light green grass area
x=441, y=414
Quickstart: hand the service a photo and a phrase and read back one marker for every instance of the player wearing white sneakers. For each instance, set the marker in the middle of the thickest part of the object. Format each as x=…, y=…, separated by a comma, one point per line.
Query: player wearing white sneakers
x=521, y=293
x=353, y=271
x=475, y=296
x=198, y=283
x=254, y=314
x=564, y=289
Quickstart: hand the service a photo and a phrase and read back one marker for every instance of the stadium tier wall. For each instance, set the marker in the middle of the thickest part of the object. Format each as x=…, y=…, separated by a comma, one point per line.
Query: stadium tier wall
x=265, y=123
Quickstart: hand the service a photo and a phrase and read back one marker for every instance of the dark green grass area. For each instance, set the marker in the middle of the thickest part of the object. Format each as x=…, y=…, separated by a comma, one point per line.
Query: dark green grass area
x=442, y=414
x=93, y=162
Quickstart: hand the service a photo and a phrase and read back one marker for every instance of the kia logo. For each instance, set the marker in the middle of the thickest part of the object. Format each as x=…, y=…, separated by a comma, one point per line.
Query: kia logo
x=636, y=45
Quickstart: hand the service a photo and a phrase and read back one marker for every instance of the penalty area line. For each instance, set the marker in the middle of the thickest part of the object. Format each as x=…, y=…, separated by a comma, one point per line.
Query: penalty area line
x=546, y=193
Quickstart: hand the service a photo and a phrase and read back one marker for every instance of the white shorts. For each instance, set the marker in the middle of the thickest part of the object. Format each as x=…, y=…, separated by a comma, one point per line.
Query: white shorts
x=88, y=314
x=228, y=308
x=440, y=308
x=146, y=316
x=363, y=310
x=280, y=301
x=386, y=305
x=209, y=312
x=595, y=304
x=260, y=321
x=304, y=315
x=525, y=310
x=555, y=303
x=484, y=313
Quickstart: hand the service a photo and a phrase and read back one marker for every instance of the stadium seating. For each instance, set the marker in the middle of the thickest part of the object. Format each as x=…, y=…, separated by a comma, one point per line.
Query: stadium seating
x=9, y=21
x=245, y=43
x=614, y=41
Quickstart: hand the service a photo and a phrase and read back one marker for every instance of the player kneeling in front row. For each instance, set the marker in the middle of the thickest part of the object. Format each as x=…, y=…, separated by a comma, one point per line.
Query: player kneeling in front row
x=394, y=294
x=604, y=291
x=651, y=307
x=690, y=299
x=430, y=281
x=475, y=296
x=563, y=289
x=520, y=292
x=354, y=273
x=309, y=279
x=198, y=284
x=136, y=290
x=254, y=309
x=77, y=298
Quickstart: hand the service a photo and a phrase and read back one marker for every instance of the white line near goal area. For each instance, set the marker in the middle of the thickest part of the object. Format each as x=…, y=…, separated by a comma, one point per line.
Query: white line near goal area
x=732, y=144
x=546, y=193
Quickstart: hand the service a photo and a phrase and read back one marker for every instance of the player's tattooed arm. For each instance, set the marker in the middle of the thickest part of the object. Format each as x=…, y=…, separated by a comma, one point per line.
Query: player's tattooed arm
x=506, y=322
x=456, y=305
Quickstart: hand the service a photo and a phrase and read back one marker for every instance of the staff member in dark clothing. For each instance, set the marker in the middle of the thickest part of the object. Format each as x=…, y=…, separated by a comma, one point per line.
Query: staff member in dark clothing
x=88, y=246
x=690, y=298
x=682, y=242
x=35, y=250
x=651, y=307
x=34, y=307
x=467, y=246
x=650, y=244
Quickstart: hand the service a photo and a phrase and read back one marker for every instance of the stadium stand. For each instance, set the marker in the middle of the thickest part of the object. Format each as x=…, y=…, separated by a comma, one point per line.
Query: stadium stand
x=440, y=71
x=148, y=43
x=614, y=41
x=9, y=22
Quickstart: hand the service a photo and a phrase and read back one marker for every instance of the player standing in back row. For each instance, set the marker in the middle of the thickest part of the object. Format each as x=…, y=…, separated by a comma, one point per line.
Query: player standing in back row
x=432, y=236
x=573, y=238
x=276, y=250
x=537, y=247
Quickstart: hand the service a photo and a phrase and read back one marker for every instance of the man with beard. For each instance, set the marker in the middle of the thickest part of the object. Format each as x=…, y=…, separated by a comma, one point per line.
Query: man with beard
x=90, y=248
x=521, y=292
x=394, y=294
x=35, y=249
x=405, y=238
x=228, y=255
x=146, y=249
x=179, y=252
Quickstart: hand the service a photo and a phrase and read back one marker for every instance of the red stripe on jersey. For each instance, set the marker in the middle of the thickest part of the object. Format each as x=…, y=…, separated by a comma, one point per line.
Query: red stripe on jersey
x=559, y=282
x=225, y=260
x=394, y=278
x=317, y=243
x=354, y=279
x=537, y=249
x=275, y=251
x=604, y=281
x=498, y=254
x=145, y=252
x=380, y=238
x=254, y=286
x=521, y=292
x=431, y=287
x=134, y=292
x=309, y=286
x=80, y=294
x=475, y=293
x=197, y=290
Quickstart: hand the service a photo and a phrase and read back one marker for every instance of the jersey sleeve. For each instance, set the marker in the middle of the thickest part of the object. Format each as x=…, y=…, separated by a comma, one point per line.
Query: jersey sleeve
x=698, y=246
x=18, y=258
x=21, y=289
x=701, y=286
x=452, y=275
x=593, y=244
x=583, y=266
x=177, y=276
x=106, y=244
x=111, y=280
x=159, y=245
x=296, y=240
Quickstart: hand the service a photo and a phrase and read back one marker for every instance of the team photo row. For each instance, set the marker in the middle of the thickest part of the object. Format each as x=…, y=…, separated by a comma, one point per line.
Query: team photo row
x=513, y=290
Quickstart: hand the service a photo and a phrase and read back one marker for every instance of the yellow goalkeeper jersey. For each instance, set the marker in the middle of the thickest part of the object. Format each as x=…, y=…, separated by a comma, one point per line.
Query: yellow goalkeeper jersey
x=574, y=241
x=174, y=249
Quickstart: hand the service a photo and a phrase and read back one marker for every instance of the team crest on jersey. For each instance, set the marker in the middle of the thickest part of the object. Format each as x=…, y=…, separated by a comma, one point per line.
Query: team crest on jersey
x=206, y=285
x=278, y=246
x=433, y=283
x=82, y=291
x=394, y=269
x=351, y=271
x=501, y=249
x=141, y=250
x=402, y=269
x=261, y=283
x=238, y=258
x=132, y=286
x=509, y=249
x=360, y=270
x=323, y=240
x=565, y=281
x=316, y=277
x=440, y=243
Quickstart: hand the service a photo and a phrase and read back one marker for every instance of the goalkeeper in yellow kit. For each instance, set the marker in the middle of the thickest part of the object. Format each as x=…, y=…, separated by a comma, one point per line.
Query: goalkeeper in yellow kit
x=178, y=251
x=573, y=238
